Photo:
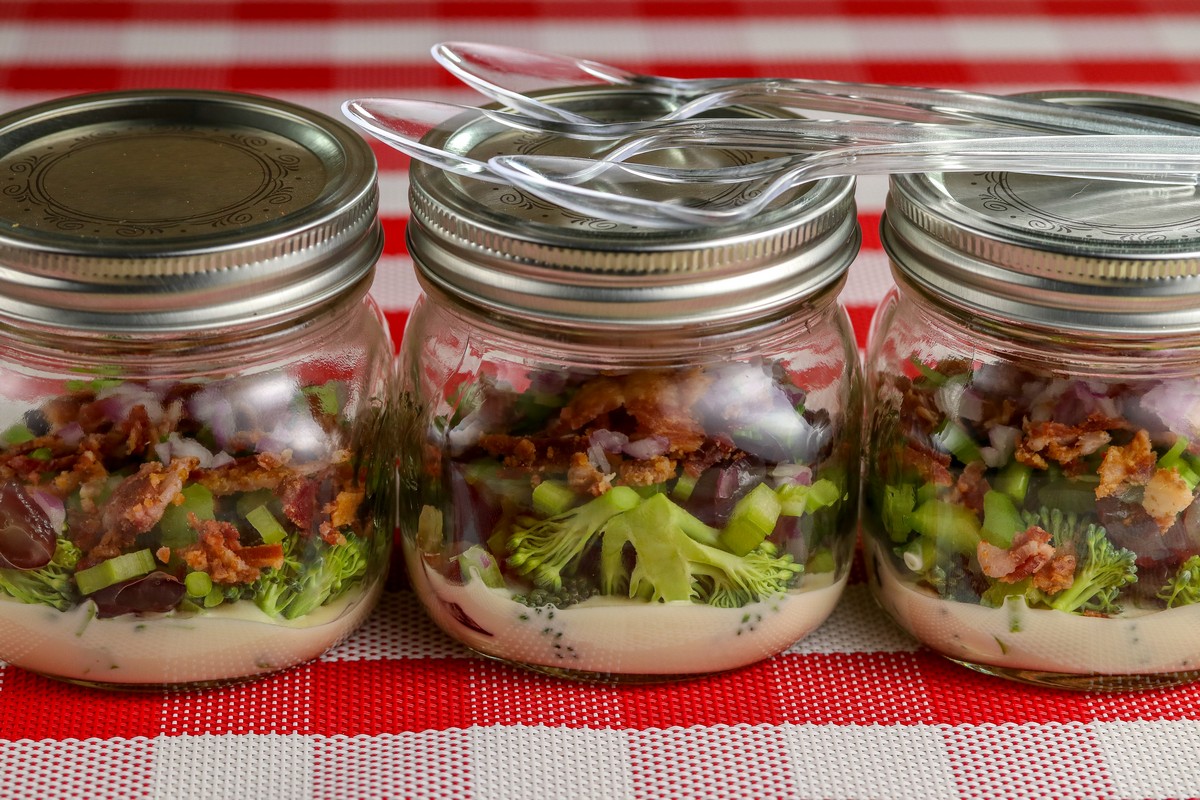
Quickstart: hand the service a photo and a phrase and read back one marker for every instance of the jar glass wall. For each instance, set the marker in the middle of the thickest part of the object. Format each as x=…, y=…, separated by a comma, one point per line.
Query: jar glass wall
x=195, y=514
x=629, y=509
x=196, y=469
x=1030, y=501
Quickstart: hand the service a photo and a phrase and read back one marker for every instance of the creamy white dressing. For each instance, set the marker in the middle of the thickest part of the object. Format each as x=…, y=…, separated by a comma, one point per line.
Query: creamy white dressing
x=1017, y=637
x=231, y=641
x=622, y=636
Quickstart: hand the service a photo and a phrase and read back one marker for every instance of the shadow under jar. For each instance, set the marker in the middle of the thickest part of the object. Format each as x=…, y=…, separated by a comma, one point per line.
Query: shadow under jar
x=1034, y=438
x=633, y=453
x=195, y=470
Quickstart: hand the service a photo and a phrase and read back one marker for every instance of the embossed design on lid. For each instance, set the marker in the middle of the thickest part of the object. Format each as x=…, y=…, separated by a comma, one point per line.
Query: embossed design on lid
x=162, y=211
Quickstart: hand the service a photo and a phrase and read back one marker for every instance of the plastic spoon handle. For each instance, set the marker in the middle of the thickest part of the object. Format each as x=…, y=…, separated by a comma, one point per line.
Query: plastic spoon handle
x=510, y=74
x=623, y=192
x=407, y=123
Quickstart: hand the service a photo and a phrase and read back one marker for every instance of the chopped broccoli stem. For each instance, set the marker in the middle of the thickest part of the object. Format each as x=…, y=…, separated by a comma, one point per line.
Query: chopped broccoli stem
x=552, y=497
x=685, y=484
x=752, y=520
x=952, y=527
x=1001, y=520
x=951, y=438
x=269, y=528
x=1013, y=481
x=114, y=571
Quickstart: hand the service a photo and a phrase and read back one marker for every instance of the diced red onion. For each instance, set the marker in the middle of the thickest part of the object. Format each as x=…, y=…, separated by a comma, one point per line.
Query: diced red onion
x=649, y=447
x=178, y=447
x=792, y=474
x=1004, y=439
x=119, y=400
x=608, y=441
x=970, y=405
x=52, y=504
x=214, y=410
x=70, y=434
x=597, y=458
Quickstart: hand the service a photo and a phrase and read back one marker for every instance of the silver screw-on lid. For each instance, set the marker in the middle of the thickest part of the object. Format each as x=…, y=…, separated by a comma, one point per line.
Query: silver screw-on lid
x=1088, y=256
x=152, y=212
x=502, y=251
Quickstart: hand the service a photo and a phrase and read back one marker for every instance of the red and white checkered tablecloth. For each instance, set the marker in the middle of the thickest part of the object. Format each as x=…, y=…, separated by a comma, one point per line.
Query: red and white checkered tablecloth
x=857, y=710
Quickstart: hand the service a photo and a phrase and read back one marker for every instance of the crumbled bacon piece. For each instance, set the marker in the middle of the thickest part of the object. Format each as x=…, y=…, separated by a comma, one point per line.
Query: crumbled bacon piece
x=971, y=486
x=660, y=402
x=138, y=503
x=1128, y=465
x=1062, y=443
x=217, y=552
x=246, y=474
x=582, y=476
x=1056, y=576
x=163, y=554
x=1030, y=551
x=1167, y=495
x=646, y=472
x=930, y=465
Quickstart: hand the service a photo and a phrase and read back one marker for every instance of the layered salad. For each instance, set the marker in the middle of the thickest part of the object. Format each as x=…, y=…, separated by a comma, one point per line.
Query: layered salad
x=649, y=522
x=185, y=532
x=1037, y=522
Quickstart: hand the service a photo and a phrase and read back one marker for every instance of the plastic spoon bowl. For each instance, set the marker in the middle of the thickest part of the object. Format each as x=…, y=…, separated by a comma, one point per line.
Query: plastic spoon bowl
x=510, y=74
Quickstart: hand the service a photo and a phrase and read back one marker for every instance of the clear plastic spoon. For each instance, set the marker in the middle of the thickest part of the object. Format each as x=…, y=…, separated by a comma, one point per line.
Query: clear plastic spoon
x=625, y=191
x=406, y=124
x=510, y=74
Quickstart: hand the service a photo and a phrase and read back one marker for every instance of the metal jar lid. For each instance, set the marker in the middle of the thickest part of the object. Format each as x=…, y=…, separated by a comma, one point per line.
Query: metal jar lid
x=1090, y=257
x=156, y=212
x=501, y=251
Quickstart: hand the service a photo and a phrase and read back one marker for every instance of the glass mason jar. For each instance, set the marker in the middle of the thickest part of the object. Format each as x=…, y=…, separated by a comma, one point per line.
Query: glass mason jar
x=632, y=454
x=195, y=471
x=1033, y=388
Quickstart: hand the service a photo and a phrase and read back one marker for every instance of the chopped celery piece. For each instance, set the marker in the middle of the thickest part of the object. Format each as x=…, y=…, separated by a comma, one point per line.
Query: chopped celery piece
x=685, y=484
x=952, y=527
x=114, y=571
x=898, y=504
x=1001, y=519
x=752, y=520
x=552, y=497
x=953, y=439
x=1013, y=481
x=269, y=528
x=174, y=530
x=796, y=500
x=198, y=584
x=477, y=562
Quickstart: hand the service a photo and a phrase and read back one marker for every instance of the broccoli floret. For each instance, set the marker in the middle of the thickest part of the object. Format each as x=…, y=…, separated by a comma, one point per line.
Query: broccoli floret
x=544, y=549
x=672, y=566
x=1101, y=572
x=296, y=589
x=50, y=585
x=1183, y=588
